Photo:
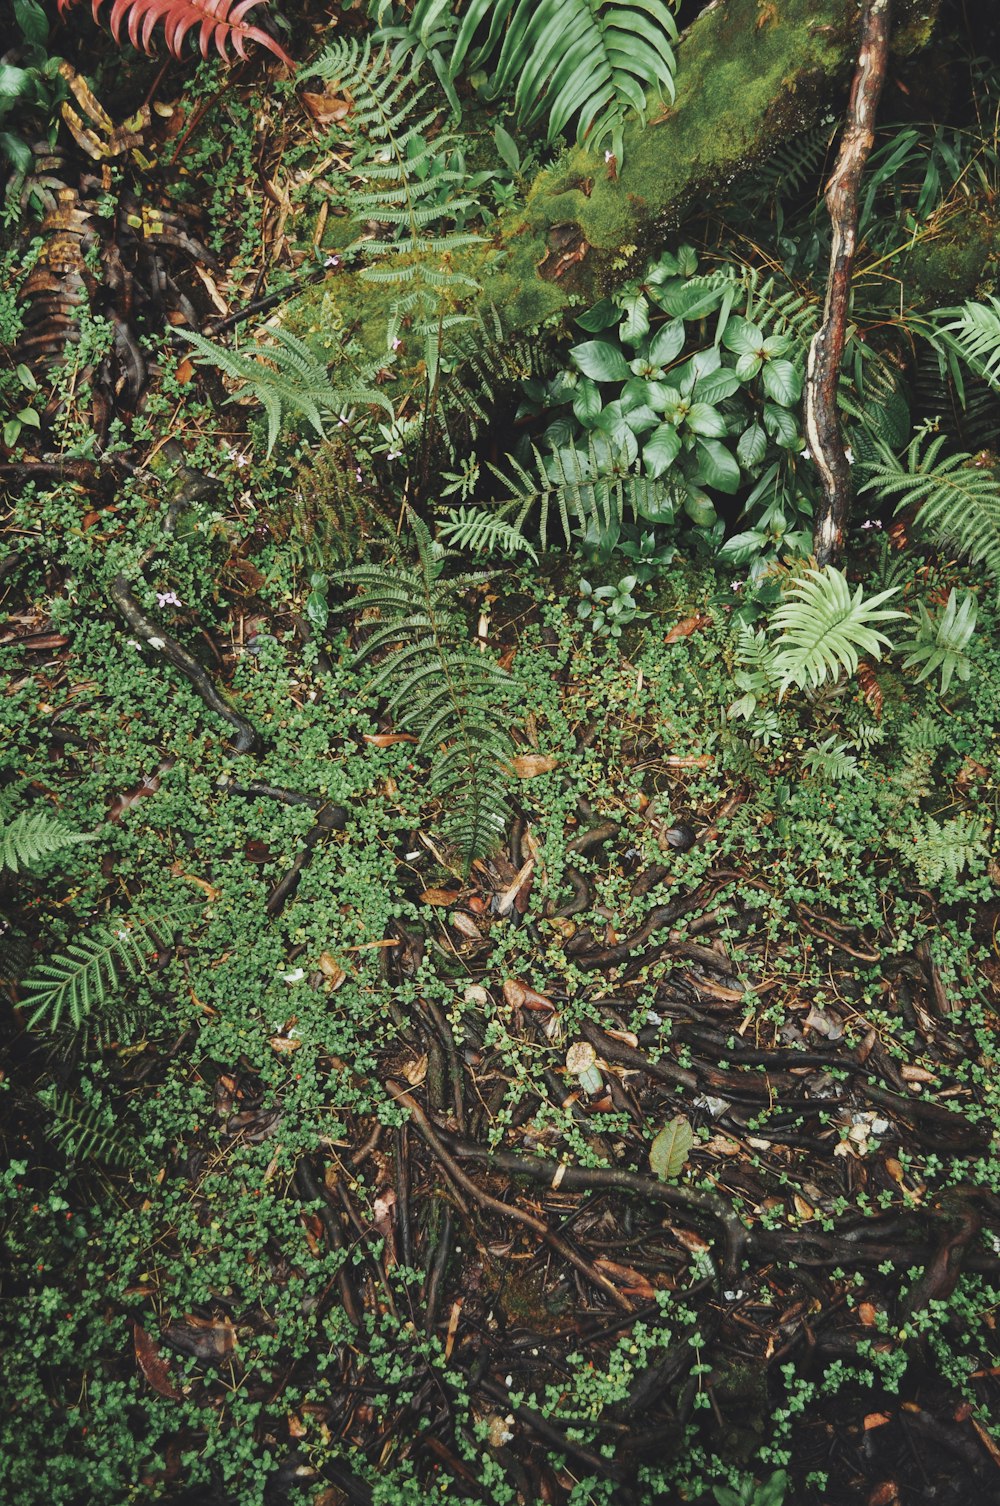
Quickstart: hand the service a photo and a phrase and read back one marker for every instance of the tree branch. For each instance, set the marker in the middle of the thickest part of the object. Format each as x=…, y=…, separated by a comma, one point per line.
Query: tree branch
x=822, y=420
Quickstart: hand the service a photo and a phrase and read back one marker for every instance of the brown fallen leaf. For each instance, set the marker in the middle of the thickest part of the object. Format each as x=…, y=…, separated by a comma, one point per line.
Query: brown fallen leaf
x=876, y=1420
x=331, y=970
x=688, y=760
x=688, y=626
x=152, y=1364
x=388, y=739
x=416, y=1070
x=530, y=765
x=632, y=1283
x=466, y=926
x=440, y=897
x=326, y=109
x=868, y=1313
x=209, y=1340
x=514, y=993
x=284, y=1045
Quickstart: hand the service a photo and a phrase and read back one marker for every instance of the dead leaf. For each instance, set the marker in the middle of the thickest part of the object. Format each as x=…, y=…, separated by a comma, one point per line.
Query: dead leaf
x=803, y=1209
x=876, y=1420
x=632, y=1282
x=152, y=1364
x=284, y=1045
x=466, y=926
x=388, y=739
x=416, y=1070
x=209, y=1340
x=886, y=1494
x=688, y=626
x=514, y=993
x=868, y=1313
x=688, y=760
x=511, y=893
x=530, y=765
x=916, y=1074
x=441, y=897
x=326, y=109
x=331, y=970
x=823, y=1024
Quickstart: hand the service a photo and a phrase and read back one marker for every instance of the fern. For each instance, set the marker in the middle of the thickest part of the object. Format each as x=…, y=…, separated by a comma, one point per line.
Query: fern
x=974, y=335
x=219, y=21
x=959, y=502
x=94, y=967
x=480, y=532
x=288, y=376
x=940, y=645
x=84, y=1132
x=943, y=849
x=831, y=761
x=439, y=685
x=34, y=835
x=481, y=361
x=579, y=486
x=823, y=629
x=588, y=60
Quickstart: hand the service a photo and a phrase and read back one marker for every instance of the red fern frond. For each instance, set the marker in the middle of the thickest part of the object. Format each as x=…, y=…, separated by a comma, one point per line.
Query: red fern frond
x=219, y=21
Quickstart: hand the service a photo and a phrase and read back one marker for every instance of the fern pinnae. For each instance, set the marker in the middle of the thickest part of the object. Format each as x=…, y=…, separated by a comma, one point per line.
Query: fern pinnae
x=94, y=967
x=440, y=686
x=34, y=835
x=823, y=629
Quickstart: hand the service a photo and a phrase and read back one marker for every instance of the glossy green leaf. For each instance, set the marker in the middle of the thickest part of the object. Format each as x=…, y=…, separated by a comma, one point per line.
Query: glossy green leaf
x=752, y=446
x=782, y=382
x=598, y=359
x=635, y=324
x=742, y=337
x=704, y=419
x=668, y=342
x=661, y=450
x=599, y=317
x=717, y=467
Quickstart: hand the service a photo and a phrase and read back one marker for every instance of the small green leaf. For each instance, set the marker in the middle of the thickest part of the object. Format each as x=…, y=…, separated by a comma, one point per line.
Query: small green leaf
x=29, y=417
x=748, y=366
x=669, y=1151
x=742, y=337
x=598, y=359
x=716, y=386
x=507, y=147
x=700, y=509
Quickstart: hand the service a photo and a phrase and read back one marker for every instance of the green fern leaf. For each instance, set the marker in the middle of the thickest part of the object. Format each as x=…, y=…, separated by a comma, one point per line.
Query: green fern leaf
x=34, y=835
x=94, y=967
x=823, y=629
x=83, y=1131
x=958, y=501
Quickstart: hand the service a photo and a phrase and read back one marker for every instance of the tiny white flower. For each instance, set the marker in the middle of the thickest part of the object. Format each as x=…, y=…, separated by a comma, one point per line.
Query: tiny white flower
x=295, y=976
x=157, y=643
x=132, y=643
x=396, y=344
x=332, y=261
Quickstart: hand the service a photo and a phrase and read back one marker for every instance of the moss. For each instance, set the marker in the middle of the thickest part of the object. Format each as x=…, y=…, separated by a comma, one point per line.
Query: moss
x=951, y=268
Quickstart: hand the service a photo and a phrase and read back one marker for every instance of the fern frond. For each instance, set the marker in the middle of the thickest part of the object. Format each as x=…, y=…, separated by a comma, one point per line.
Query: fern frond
x=34, y=835
x=588, y=60
x=958, y=501
x=823, y=630
x=94, y=967
x=287, y=377
x=85, y=1132
x=942, y=849
x=578, y=487
x=940, y=644
x=480, y=532
x=440, y=685
x=218, y=21
x=974, y=335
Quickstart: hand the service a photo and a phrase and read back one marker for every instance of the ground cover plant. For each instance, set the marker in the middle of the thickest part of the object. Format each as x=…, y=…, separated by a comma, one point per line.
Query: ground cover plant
x=499, y=945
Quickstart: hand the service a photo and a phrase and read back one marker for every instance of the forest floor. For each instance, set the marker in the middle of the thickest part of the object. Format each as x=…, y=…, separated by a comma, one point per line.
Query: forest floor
x=319, y=1206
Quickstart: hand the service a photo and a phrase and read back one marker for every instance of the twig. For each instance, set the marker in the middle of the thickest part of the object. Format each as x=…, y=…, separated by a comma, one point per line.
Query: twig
x=822, y=420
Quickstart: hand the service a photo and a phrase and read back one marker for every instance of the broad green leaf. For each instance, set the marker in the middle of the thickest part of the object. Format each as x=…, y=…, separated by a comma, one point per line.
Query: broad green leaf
x=782, y=382
x=587, y=402
x=700, y=509
x=748, y=366
x=690, y=300
x=752, y=446
x=782, y=426
x=717, y=385
x=669, y=1151
x=743, y=547
x=599, y=317
x=658, y=506
x=598, y=359
x=742, y=337
x=717, y=467
x=668, y=342
x=635, y=324
x=661, y=450
x=704, y=419
x=661, y=396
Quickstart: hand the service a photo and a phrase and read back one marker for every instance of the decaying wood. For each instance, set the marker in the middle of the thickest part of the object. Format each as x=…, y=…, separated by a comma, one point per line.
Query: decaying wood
x=822, y=422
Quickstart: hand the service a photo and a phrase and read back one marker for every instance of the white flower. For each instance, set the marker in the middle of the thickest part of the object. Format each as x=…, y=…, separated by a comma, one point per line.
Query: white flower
x=609, y=156
x=295, y=976
x=332, y=261
x=396, y=344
